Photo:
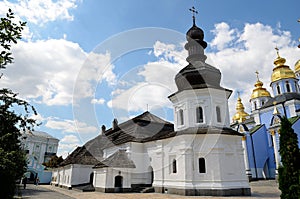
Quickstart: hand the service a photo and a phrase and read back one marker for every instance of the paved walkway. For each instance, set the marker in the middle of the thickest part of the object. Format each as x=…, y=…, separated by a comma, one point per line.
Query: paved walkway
x=260, y=190
x=41, y=192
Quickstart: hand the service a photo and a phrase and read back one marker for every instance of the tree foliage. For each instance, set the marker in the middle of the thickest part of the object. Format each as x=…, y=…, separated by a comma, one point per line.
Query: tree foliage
x=14, y=114
x=54, y=162
x=10, y=32
x=289, y=172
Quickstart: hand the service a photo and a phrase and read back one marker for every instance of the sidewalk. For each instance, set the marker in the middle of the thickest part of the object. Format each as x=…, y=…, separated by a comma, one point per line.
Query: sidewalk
x=259, y=189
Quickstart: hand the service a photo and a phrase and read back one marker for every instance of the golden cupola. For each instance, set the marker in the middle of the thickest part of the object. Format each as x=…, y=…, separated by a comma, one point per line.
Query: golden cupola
x=259, y=91
x=281, y=71
x=240, y=114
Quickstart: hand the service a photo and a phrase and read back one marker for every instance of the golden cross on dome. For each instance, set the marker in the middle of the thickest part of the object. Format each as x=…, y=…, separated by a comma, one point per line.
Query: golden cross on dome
x=238, y=92
x=277, y=51
x=194, y=11
x=257, y=73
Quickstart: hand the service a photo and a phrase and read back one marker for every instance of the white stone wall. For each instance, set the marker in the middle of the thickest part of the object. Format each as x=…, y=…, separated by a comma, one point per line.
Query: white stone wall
x=105, y=177
x=141, y=159
x=208, y=99
x=100, y=177
x=223, y=156
x=81, y=174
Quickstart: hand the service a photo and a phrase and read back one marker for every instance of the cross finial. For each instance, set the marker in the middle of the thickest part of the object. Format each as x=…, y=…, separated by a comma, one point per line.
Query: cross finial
x=194, y=11
x=277, y=51
x=238, y=92
x=257, y=73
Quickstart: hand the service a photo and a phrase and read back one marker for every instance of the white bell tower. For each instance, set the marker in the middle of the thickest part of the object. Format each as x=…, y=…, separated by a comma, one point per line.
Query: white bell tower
x=210, y=153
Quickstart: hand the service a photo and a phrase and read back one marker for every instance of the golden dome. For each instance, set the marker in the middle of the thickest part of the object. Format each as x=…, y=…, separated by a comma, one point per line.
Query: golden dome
x=259, y=91
x=281, y=71
x=240, y=114
x=297, y=66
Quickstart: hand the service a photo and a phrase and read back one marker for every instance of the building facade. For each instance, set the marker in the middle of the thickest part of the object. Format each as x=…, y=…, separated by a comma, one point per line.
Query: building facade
x=39, y=147
x=261, y=128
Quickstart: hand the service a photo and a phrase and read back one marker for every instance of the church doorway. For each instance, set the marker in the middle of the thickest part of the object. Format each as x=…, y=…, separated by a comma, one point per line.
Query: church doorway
x=92, y=178
x=118, y=184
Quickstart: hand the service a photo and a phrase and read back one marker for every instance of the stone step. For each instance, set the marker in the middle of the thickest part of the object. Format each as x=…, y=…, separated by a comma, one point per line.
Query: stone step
x=84, y=188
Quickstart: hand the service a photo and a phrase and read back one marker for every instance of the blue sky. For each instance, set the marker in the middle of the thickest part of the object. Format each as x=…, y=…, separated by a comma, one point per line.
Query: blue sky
x=81, y=63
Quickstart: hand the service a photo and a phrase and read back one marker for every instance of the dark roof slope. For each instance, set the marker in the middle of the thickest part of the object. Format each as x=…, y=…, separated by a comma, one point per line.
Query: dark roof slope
x=118, y=160
x=281, y=98
x=96, y=145
x=80, y=156
x=145, y=127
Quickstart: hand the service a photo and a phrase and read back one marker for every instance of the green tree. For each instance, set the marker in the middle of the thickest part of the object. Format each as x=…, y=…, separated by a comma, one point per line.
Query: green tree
x=14, y=114
x=289, y=172
x=53, y=162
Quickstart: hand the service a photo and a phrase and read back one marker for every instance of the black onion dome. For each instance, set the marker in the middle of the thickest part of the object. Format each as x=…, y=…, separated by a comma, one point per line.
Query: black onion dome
x=197, y=74
x=197, y=34
x=204, y=76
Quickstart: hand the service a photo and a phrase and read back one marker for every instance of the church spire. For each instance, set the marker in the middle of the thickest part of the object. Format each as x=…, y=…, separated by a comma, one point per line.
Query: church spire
x=259, y=94
x=240, y=115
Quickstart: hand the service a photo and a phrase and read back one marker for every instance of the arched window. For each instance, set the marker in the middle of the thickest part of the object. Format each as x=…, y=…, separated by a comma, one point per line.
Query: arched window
x=199, y=114
x=202, y=168
x=174, y=166
x=218, y=112
x=262, y=102
x=278, y=89
x=180, y=117
x=288, y=88
x=255, y=105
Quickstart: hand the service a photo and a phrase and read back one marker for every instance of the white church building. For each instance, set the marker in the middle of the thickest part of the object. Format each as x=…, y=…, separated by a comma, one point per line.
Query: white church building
x=197, y=155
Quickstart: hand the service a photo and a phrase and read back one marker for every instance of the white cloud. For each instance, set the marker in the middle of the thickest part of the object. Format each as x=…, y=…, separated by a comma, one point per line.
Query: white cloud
x=223, y=36
x=251, y=49
x=47, y=70
x=98, y=101
x=158, y=81
x=70, y=126
x=70, y=139
x=41, y=11
x=67, y=144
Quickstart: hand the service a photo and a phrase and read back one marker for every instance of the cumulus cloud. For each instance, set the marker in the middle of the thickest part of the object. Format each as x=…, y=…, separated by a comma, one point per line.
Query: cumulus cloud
x=67, y=144
x=96, y=69
x=41, y=11
x=98, y=101
x=132, y=94
x=70, y=139
x=46, y=71
x=252, y=49
x=70, y=126
x=223, y=36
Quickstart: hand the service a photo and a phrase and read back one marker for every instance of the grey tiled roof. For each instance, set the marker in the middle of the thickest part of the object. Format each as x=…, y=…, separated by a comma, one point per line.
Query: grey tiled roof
x=80, y=156
x=143, y=128
x=117, y=160
x=281, y=98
